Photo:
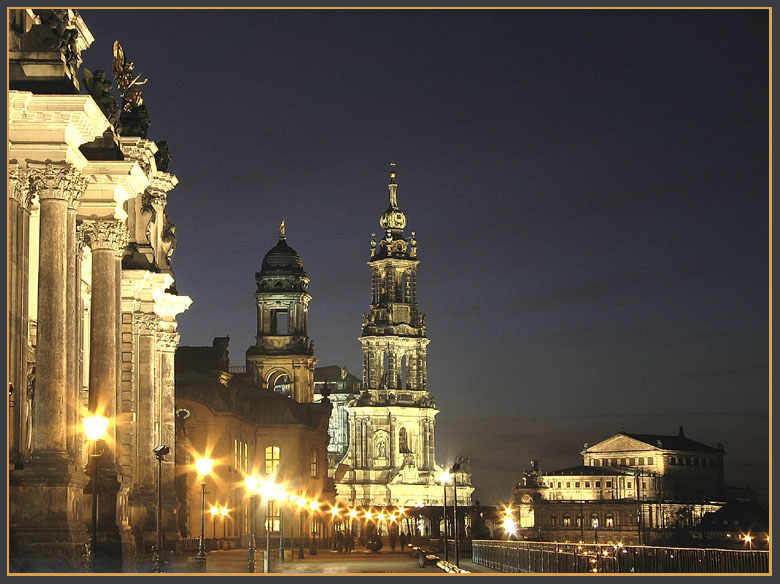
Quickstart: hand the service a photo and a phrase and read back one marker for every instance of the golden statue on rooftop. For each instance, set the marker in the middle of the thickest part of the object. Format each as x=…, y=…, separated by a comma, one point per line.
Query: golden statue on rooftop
x=132, y=97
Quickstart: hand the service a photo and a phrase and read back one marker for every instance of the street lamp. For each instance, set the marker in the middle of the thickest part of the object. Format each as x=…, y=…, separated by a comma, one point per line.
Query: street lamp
x=214, y=512
x=334, y=513
x=455, y=468
x=95, y=430
x=510, y=527
x=224, y=512
x=444, y=478
x=314, y=506
x=281, y=496
x=251, y=488
x=157, y=558
x=203, y=467
x=301, y=502
x=749, y=541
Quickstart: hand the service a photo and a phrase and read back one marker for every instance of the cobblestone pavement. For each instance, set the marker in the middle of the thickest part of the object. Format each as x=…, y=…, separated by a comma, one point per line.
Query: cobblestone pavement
x=325, y=561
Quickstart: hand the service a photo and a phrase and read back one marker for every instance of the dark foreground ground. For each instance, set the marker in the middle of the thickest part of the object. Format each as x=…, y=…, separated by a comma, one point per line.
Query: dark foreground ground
x=326, y=561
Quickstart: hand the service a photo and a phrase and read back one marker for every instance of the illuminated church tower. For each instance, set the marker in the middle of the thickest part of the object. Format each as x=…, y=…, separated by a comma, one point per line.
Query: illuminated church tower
x=282, y=358
x=391, y=458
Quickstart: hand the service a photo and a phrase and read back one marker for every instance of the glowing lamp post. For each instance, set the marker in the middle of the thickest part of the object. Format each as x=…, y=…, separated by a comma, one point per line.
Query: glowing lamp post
x=749, y=541
x=314, y=506
x=203, y=467
x=510, y=527
x=301, y=502
x=224, y=513
x=95, y=430
x=251, y=488
x=445, y=477
x=455, y=468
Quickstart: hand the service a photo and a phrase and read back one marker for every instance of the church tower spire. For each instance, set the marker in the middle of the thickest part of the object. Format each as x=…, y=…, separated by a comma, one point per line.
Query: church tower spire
x=282, y=358
x=394, y=337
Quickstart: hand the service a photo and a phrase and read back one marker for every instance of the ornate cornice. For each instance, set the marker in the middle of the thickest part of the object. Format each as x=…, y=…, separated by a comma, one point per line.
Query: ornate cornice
x=61, y=181
x=105, y=234
x=167, y=341
x=145, y=323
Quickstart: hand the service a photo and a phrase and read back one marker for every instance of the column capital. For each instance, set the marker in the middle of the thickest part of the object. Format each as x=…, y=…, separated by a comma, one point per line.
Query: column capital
x=145, y=323
x=168, y=341
x=61, y=181
x=20, y=189
x=105, y=234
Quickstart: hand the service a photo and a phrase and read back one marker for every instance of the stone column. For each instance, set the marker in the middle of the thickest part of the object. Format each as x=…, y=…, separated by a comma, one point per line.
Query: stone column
x=59, y=187
x=75, y=441
x=45, y=520
x=19, y=203
x=107, y=238
x=167, y=341
x=145, y=326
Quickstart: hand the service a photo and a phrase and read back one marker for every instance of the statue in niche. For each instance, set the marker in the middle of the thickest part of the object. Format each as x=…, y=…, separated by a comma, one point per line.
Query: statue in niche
x=100, y=89
x=381, y=449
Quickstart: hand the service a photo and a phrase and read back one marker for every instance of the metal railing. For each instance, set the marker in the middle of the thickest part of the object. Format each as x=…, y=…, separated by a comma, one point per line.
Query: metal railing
x=556, y=558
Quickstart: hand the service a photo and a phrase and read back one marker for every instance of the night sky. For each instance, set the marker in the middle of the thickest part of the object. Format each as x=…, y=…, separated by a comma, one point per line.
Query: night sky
x=589, y=191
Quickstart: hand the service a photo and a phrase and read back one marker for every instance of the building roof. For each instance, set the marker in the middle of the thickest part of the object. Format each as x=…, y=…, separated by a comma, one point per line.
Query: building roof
x=249, y=402
x=678, y=442
x=334, y=374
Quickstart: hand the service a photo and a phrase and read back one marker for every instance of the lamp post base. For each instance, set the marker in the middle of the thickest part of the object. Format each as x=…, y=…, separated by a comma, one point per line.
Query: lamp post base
x=267, y=561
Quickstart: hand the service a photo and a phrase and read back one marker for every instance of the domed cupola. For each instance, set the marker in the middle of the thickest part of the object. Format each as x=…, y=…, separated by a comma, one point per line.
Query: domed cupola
x=282, y=268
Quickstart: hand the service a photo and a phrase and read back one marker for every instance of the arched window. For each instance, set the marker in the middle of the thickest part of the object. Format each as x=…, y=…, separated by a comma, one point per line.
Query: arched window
x=315, y=456
x=579, y=519
x=566, y=520
x=594, y=520
x=609, y=520
x=271, y=459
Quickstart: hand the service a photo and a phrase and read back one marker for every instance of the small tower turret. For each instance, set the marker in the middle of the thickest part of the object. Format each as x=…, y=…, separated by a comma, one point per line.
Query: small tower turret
x=282, y=358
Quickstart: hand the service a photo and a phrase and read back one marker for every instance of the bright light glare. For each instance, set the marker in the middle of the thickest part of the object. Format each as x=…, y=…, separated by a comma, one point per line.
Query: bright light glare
x=301, y=502
x=95, y=427
x=509, y=525
x=381, y=516
x=445, y=477
x=334, y=510
x=353, y=513
x=223, y=511
x=214, y=510
x=204, y=466
x=251, y=483
x=314, y=505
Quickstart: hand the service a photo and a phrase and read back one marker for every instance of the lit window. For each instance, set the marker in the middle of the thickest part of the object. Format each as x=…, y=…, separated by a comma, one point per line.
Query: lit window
x=579, y=519
x=567, y=520
x=314, y=463
x=609, y=520
x=271, y=459
x=553, y=520
x=272, y=520
x=594, y=520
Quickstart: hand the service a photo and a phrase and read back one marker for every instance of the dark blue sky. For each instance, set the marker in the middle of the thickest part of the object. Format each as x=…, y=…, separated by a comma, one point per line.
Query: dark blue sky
x=589, y=191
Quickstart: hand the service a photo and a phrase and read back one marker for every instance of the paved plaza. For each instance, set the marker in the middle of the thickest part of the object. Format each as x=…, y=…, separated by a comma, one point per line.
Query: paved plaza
x=325, y=561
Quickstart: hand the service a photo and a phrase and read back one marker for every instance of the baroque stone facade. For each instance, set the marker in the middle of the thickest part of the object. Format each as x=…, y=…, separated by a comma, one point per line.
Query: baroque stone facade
x=634, y=488
x=91, y=330
x=391, y=459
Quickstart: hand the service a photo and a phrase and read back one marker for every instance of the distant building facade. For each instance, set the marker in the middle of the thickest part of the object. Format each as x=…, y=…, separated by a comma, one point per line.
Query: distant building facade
x=391, y=456
x=634, y=488
x=92, y=303
x=256, y=420
x=340, y=387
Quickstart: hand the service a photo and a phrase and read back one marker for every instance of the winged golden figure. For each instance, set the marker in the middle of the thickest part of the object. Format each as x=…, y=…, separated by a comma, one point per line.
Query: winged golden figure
x=132, y=97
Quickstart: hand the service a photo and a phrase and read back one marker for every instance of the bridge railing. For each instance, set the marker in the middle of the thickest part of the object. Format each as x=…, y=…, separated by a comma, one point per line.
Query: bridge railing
x=552, y=558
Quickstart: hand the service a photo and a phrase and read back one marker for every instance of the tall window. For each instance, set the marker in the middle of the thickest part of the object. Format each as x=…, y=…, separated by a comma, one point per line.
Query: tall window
x=579, y=519
x=567, y=520
x=314, y=463
x=609, y=519
x=403, y=441
x=246, y=457
x=271, y=459
x=272, y=520
x=594, y=520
